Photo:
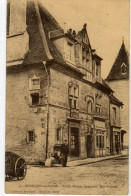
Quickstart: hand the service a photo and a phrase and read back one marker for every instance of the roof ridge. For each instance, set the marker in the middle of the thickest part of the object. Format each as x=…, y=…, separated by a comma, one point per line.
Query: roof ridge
x=41, y=28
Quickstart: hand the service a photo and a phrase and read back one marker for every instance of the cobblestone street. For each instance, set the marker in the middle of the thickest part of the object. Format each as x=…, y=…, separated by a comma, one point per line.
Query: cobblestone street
x=106, y=177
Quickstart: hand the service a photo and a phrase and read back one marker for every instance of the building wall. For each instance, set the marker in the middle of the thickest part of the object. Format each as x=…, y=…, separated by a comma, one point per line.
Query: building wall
x=121, y=88
x=21, y=117
x=115, y=129
x=60, y=113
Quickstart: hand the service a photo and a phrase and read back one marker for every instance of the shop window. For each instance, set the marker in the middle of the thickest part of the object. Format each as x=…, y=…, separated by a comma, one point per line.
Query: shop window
x=34, y=98
x=72, y=142
x=31, y=136
x=97, y=141
x=100, y=141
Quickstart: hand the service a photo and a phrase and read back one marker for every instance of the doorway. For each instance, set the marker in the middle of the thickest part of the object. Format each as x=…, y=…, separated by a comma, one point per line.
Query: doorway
x=74, y=142
x=89, y=139
x=117, y=143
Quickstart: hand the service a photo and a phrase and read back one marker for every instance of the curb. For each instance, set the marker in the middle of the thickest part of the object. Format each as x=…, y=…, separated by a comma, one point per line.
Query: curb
x=108, y=158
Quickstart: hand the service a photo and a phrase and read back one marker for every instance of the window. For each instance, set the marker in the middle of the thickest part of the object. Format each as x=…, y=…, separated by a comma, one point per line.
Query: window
x=73, y=142
x=73, y=95
x=98, y=67
x=98, y=110
x=70, y=52
x=58, y=134
x=34, y=83
x=75, y=102
x=89, y=106
x=100, y=141
x=85, y=57
x=114, y=114
x=31, y=136
x=97, y=141
x=123, y=68
x=34, y=98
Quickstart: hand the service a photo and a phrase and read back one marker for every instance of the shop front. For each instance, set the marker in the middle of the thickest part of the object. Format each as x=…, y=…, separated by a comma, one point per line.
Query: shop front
x=115, y=140
x=100, y=138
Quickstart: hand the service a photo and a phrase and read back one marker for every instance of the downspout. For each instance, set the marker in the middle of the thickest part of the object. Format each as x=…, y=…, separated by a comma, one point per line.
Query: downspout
x=111, y=136
x=48, y=85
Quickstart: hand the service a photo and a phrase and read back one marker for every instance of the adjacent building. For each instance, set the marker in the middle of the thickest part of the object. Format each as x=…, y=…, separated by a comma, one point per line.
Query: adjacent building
x=118, y=80
x=116, y=137
x=54, y=87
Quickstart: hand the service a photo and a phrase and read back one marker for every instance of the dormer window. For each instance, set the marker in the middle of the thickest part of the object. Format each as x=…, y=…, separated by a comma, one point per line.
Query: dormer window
x=70, y=52
x=85, y=56
x=123, y=68
x=98, y=67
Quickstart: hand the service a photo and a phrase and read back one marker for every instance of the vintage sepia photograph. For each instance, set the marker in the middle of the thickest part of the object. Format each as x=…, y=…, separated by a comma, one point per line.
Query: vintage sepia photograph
x=67, y=97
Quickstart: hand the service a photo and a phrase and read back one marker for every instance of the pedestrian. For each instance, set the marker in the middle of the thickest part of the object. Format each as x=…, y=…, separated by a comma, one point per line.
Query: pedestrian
x=64, y=153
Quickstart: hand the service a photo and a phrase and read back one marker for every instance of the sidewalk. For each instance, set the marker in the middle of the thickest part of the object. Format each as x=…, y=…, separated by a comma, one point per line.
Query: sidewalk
x=94, y=160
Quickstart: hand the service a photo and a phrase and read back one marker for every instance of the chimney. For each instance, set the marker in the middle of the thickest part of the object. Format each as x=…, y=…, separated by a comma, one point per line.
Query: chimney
x=74, y=33
x=17, y=17
x=70, y=31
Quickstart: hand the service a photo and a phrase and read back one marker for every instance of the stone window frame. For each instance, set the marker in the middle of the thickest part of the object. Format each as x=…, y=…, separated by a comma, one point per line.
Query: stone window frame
x=98, y=104
x=73, y=93
x=114, y=110
x=34, y=86
x=100, y=140
x=89, y=100
x=85, y=56
x=30, y=136
x=59, y=134
x=31, y=99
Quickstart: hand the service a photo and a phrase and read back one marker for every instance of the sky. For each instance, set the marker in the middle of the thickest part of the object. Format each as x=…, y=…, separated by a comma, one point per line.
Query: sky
x=107, y=22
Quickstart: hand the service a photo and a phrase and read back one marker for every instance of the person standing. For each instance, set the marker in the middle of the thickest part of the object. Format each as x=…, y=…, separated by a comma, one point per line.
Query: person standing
x=64, y=153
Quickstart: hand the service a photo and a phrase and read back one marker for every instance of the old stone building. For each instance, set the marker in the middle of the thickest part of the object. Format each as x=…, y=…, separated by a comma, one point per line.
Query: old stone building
x=115, y=125
x=118, y=80
x=54, y=87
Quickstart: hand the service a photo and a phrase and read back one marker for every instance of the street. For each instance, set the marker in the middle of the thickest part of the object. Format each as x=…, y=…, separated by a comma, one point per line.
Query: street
x=109, y=177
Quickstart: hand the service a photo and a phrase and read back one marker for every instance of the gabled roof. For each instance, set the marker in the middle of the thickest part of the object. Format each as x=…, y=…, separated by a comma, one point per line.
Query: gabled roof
x=115, y=72
x=35, y=27
x=103, y=86
x=82, y=36
x=39, y=23
x=114, y=100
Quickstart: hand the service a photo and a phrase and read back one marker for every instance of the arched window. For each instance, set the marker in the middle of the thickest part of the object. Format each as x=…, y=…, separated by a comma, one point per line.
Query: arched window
x=89, y=106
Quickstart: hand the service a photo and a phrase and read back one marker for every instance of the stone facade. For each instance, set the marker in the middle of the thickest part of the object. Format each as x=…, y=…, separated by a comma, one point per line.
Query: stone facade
x=55, y=92
x=121, y=88
x=115, y=125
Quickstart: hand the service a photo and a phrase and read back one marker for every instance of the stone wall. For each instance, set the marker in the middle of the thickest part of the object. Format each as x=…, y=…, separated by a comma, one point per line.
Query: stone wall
x=21, y=117
x=121, y=88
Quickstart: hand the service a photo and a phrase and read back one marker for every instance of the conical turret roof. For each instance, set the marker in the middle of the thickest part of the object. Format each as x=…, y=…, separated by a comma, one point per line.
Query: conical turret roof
x=122, y=59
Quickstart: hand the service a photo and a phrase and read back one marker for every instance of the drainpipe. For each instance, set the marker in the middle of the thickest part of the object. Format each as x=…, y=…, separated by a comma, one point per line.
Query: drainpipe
x=111, y=135
x=47, y=132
